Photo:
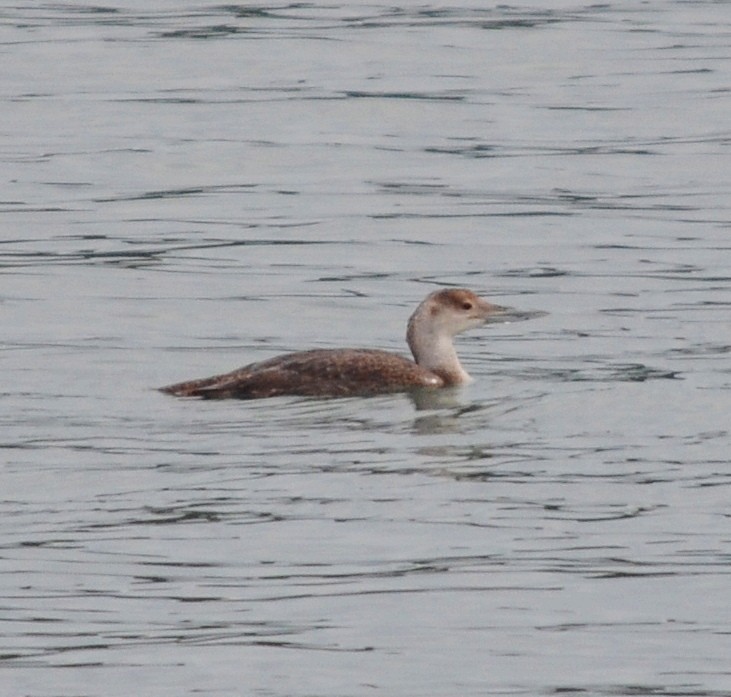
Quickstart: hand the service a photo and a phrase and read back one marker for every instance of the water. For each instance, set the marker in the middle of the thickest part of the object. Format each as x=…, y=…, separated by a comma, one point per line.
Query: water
x=187, y=189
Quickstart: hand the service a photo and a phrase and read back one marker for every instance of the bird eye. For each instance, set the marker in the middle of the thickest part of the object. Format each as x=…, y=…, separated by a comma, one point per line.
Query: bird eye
x=466, y=305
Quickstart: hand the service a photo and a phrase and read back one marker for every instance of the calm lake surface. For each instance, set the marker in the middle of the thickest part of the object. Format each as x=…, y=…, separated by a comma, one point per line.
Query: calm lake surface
x=189, y=187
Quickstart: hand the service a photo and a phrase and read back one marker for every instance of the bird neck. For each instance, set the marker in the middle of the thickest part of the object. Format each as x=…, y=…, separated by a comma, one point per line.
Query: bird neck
x=434, y=351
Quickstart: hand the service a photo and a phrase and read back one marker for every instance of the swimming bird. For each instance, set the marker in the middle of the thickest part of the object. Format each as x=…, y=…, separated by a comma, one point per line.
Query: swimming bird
x=353, y=371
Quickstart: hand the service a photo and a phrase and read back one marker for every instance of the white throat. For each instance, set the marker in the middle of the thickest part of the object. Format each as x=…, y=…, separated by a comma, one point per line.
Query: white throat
x=434, y=350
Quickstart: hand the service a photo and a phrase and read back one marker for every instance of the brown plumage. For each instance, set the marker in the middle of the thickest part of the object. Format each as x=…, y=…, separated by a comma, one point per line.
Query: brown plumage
x=324, y=372
x=346, y=372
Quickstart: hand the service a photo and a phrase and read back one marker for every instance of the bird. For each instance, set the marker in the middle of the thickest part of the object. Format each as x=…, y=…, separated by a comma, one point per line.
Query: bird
x=350, y=372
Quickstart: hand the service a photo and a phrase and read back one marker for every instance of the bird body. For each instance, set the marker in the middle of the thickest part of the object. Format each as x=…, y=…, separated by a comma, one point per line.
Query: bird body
x=356, y=371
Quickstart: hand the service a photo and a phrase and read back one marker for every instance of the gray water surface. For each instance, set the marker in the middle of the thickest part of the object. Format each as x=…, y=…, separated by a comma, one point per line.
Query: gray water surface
x=189, y=188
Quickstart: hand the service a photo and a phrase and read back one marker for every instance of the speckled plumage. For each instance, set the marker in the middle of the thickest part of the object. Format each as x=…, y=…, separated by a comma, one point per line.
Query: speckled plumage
x=349, y=372
x=323, y=373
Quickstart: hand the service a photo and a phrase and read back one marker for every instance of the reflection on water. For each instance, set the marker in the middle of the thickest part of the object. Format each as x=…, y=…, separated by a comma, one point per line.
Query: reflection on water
x=190, y=188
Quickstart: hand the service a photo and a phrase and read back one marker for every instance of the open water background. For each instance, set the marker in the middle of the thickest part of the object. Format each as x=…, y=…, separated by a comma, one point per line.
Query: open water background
x=188, y=187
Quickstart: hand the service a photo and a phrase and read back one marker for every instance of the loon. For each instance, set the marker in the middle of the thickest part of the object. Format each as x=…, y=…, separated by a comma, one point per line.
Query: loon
x=359, y=372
